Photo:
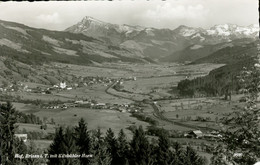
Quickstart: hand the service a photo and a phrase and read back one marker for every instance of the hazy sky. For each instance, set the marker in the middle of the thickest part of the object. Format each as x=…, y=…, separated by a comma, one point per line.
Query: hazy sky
x=153, y=13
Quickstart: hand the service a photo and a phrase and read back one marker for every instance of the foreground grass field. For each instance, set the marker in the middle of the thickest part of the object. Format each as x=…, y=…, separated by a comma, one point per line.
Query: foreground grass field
x=102, y=119
x=95, y=118
x=36, y=128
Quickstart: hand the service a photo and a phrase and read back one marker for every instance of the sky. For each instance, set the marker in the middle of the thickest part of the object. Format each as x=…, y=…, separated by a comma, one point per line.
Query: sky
x=170, y=14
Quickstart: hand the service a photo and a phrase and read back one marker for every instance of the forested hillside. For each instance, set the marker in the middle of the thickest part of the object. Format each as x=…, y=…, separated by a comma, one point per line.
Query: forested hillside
x=224, y=80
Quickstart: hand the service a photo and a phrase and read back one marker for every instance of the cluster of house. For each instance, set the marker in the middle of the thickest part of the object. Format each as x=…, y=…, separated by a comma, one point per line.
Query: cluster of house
x=121, y=80
x=58, y=106
x=17, y=87
x=92, y=104
x=125, y=107
x=96, y=80
x=86, y=81
x=131, y=78
x=198, y=134
x=20, y=87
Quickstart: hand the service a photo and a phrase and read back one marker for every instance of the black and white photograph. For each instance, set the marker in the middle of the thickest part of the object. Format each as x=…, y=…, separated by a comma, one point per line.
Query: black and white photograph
x=130, y=82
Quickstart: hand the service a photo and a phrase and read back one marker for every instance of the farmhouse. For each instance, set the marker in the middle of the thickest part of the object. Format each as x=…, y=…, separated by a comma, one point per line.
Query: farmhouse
x=21, y=137
x=194, y=134
x=79, y=102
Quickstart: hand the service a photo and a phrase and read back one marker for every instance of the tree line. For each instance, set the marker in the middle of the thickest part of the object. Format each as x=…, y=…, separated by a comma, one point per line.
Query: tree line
x=219, y=82
x=118, y=150
x=100, y=149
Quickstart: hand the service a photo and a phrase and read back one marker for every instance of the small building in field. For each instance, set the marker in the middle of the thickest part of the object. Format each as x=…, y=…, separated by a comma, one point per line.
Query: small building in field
x=22, y=137
x=63, y=85
x=194, y=134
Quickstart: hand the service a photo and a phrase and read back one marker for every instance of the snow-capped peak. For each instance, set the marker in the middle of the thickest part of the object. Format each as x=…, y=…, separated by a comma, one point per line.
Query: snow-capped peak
x=186, y=31
x=91, y=19
x=224, y=32
x=90, y=22
x=224, y=26
x=232, y=29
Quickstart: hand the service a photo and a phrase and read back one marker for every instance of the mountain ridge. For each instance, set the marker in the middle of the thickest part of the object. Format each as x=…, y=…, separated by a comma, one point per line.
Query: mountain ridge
x=253, y=28
x=160, y=43
x=33, y=45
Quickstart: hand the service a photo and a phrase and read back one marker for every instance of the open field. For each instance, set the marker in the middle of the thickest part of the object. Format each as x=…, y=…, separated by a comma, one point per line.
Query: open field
x=39, y=96
x=95, y=92
x=193, y=111
x=156, y=81
x=132, y=96
x=178, y=109
x=125, y=70
x=21, y=106
x=95, y=118
x=171, y=126
x=36, y=128
x=150, y=85
x=102, y=119
x=40, y=144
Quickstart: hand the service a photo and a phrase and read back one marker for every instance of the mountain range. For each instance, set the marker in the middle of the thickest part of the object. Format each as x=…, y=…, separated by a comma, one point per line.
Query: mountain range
x=166, y=43
x=95, y=41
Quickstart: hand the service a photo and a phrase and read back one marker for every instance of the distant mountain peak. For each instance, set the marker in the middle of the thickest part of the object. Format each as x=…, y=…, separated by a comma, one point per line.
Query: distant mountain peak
x=87, y=21
x=89, y=18
x=183, y=27
x=186, y=31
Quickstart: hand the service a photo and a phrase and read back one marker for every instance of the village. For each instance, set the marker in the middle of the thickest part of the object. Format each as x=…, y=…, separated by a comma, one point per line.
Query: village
x=92, y=104
x=18, y=86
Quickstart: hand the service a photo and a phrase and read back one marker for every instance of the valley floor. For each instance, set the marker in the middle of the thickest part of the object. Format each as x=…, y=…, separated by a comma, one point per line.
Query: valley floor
x=109, y=95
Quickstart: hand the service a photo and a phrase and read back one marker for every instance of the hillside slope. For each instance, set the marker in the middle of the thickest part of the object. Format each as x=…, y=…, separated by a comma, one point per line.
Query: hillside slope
x=223, y=80
x=32, y=46
x=199, y=52
x=231, y=55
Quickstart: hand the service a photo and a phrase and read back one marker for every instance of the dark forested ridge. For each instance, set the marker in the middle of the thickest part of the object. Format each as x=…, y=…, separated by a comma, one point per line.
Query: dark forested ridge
x=218, y=53
x=223, y=80
x=230, y=55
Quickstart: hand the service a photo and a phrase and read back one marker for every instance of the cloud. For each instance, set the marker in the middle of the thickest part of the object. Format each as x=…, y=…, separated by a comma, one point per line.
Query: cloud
x=57, y=15
x=167, y=12
x=53, y=18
